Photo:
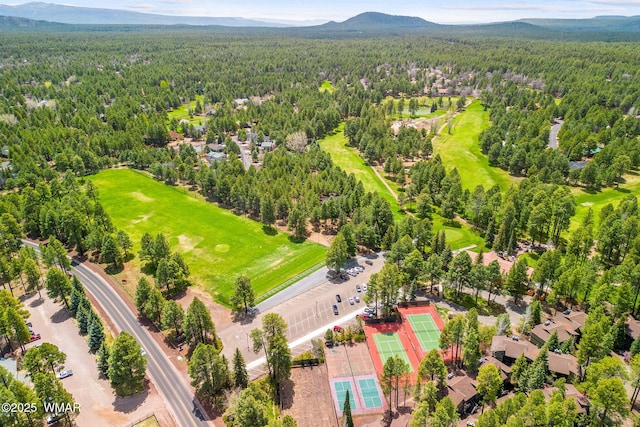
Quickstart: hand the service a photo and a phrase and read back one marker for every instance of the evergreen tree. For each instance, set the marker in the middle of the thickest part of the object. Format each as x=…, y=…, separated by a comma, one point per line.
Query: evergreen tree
x=103, y=359
x=240, y=375
x=143, y=290
x=243, y=297
x=127, y=365
x=96, y=334
x=347, y=418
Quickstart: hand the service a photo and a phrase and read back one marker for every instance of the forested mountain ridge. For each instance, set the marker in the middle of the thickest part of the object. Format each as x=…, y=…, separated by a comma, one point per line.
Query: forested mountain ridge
x=91, y=16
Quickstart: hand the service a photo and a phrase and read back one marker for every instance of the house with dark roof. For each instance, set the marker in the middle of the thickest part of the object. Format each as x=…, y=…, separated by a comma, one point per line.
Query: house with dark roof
x=507, y=350
x=462, y=391
x=567, y=325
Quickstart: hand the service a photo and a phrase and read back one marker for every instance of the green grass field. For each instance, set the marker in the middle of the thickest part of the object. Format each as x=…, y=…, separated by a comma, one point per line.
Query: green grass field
x=326, y=86
x=461, y=150
x=458, y=237
x=182, y=112
x=349, y=159
x=217, y=244
x=598, y=200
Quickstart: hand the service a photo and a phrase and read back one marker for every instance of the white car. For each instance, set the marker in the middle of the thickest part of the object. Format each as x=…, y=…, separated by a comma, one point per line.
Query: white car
x=351, y=301
x=64, y=374
x=364, y=288
x=143, y=352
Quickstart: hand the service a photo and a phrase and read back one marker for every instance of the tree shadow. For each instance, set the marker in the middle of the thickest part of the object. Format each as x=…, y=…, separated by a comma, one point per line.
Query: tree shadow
x=36, y=302
x=149, y=269
x=269, y=231
x=114, y=269
x=287, y=393
x=130, y=256
x=60, y=315
x=245, y=318
x=297, y=240
x=131, y=403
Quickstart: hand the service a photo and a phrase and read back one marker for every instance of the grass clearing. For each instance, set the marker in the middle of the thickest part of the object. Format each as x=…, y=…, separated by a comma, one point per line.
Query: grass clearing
x=598, y=200
x=326, y=86
x=461, y=150
x=349, y=159
x=217, y=244
x=182, y=113
x=458, y=237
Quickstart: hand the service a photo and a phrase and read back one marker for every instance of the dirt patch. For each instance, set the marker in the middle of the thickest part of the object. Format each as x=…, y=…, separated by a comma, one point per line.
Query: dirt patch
x=141, y=197
x=141, y=219
x=307, y=389
x=187, y=244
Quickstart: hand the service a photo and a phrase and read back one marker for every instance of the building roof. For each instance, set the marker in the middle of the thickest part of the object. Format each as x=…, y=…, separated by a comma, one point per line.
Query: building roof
x=216, y=147
x=543, y=332
x=563, y=364
x=513, y=349
x=570, y=392
x=502, y=368
x=461, y=389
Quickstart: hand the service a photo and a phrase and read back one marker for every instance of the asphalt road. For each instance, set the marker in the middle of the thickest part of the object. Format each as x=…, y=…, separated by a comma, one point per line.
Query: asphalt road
x=170, y=384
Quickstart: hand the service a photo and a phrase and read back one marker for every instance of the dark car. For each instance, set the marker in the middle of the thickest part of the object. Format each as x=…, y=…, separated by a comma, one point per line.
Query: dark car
x=335, y=309
x=338, y=298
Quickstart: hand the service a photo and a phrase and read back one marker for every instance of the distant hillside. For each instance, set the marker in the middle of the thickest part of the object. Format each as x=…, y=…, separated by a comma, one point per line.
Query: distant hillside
x=609, y=24
x=84, y=15
x=384, y=20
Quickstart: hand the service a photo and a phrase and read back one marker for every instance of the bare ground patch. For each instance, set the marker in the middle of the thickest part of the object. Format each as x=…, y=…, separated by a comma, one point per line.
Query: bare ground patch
x=308, y=397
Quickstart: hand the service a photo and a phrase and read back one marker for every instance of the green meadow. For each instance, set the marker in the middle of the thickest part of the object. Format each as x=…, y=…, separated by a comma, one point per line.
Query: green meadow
x=182, y=112
x=461, y=149
x=349, y=159
x=596, y=200
x=217, y=244
x=326, y=86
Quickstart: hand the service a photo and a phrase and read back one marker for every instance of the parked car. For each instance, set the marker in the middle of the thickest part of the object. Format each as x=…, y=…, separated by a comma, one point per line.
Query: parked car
x=337, y=328
x=35, y=337
x=338, y=298
x=351, y=301
x=358, y=288
x=335, y=309
x=357, y=298
x=329, y=344
x=364, y=288
x=64, y=374
x=143, y=352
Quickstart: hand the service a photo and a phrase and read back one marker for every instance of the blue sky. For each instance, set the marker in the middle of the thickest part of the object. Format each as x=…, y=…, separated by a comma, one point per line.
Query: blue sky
x=444, y=12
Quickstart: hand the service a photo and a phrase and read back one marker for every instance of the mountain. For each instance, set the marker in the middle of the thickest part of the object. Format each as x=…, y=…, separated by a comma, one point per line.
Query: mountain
x=609, y=24
x=383, y=20
x=85, y=15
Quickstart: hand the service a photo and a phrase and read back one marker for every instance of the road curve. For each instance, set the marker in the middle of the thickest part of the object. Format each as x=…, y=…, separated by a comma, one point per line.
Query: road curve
x=171, y=385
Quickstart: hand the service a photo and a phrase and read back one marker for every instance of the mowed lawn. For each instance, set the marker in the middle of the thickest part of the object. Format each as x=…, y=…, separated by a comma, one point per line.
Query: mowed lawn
x=462, y=150
x=598, y=200
x=349, y=159
x=217, y=244
x=182, y=112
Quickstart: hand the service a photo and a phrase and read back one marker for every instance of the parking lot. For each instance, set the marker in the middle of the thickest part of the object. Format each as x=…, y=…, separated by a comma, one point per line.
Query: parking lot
x=308, y=312
x=98, y=403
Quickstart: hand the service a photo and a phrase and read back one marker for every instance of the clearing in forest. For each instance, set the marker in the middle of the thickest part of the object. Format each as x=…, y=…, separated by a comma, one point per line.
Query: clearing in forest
x=182, y=113
x=461, y=150
x=596, y=200
x=349, y=160
x=217, y=244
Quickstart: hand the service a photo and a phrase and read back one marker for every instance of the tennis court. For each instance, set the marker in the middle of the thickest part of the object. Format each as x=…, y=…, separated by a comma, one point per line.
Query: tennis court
x=388, y=345
x=369, y=391
x=426, y=330
x=341, y=388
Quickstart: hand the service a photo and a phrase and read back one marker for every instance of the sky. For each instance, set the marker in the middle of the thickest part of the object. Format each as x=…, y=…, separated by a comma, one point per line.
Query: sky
x=442, y=12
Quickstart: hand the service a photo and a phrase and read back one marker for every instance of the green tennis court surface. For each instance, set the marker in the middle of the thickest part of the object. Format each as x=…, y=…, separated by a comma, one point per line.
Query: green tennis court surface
x=341, y=391
x=388, y=344
x=370, y=394
x=426, y=330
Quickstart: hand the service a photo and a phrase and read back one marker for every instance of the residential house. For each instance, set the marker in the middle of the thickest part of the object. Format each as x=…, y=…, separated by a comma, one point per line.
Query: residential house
x=213, y=156
x=462, y=391
x=567, y=325
x=507, y=350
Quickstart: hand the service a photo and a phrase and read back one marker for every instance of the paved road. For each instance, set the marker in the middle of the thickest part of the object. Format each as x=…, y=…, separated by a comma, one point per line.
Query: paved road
x=553, y=134
x=171, y=385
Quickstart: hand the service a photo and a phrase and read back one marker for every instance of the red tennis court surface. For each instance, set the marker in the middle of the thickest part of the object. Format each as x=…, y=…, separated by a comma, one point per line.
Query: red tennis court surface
x=407, y=337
